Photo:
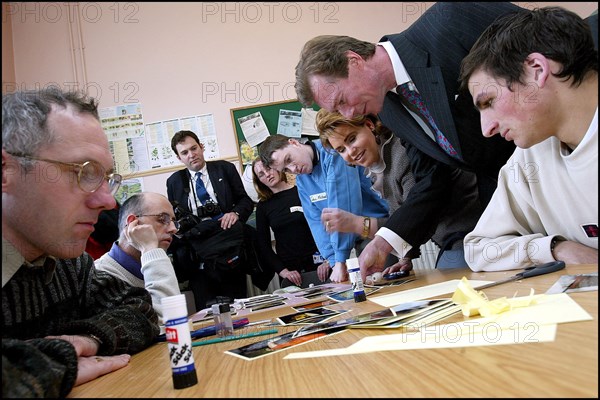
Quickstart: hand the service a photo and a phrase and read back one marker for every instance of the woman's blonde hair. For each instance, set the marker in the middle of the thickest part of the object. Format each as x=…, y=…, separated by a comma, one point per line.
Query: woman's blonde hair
x=327, y=123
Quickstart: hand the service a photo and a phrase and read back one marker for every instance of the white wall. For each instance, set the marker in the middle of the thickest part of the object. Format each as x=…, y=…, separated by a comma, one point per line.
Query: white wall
x=181, y=59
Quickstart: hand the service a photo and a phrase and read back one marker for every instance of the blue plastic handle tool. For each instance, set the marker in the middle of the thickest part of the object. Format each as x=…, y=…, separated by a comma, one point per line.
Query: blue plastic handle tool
x=234, y=337
x=207, y=330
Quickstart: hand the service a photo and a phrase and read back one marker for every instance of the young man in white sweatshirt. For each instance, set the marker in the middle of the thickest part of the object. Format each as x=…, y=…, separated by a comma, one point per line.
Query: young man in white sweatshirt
x=542, y=93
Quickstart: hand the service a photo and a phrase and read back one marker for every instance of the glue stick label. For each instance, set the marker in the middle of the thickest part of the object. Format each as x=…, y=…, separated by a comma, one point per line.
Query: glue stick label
x=355, y=279
x=179, y=340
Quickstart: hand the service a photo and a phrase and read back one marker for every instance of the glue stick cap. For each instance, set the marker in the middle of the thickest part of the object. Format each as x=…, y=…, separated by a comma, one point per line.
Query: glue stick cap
x=352, y=263
x=220, y=308
x=174, y=307
x=224, y=308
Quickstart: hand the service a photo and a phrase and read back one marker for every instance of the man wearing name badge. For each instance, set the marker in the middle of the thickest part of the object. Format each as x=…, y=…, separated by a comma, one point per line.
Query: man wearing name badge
x=324, y=180
x=410, y=79
x=199, y=188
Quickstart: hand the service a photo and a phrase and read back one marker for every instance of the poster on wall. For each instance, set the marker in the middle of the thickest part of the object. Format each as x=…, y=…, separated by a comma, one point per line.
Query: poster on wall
x=128, y=188
x=159, y=135
x=248, y=153
x=124, y=128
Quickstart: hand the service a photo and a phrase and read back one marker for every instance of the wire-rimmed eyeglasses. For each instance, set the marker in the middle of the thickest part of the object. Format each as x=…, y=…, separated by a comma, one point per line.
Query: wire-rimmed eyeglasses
x=90, y=174
x=163, y=218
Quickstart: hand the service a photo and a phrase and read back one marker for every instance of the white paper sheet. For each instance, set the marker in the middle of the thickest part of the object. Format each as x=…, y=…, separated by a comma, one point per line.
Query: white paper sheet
x=533, y=324
x=421, y=293
x=545, y=333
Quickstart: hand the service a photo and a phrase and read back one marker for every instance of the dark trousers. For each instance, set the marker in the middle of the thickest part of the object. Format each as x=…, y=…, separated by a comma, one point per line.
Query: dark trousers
x=217, y=286
x=307, y=268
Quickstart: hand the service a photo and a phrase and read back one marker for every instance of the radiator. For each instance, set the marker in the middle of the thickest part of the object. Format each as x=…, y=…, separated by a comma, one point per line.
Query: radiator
x=429, y=253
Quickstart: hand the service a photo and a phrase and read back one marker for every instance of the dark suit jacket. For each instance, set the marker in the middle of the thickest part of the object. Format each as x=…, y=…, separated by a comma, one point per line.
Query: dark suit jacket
x=592, y=21
x=226, y=182
x=432, y=49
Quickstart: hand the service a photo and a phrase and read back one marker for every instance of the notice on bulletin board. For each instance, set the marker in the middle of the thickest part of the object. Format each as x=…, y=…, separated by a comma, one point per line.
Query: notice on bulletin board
x=290, y=123
x=254, y=128
x=124, y=128
x=309, y=127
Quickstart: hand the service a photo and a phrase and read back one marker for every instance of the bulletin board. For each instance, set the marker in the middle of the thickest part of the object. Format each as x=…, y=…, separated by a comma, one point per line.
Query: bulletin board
x=270, y=114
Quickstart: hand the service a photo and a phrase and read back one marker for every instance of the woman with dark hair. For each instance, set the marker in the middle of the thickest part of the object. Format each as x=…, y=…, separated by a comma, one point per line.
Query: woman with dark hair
x=279, y=209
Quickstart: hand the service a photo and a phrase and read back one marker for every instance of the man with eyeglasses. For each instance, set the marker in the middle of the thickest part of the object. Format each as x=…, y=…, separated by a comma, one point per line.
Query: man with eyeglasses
x=64, y=323
x=146, y=228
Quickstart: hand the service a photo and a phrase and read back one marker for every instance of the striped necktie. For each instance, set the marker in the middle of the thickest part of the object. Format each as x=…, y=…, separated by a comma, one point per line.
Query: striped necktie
x=203, y=195
x=201, y=192
x=413, y=101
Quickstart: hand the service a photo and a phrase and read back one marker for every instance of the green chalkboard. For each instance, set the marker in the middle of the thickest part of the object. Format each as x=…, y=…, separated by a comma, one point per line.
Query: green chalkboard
x=270, y=114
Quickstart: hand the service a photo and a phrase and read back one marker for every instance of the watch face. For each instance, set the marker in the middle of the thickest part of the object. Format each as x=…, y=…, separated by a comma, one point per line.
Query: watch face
x=366, y=227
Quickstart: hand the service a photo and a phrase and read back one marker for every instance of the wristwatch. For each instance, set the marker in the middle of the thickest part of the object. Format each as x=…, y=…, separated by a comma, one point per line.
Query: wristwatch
x=366, y=227
x=94, y=338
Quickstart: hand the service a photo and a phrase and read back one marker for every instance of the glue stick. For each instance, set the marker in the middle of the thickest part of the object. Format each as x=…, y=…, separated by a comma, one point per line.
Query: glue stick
x=357, y=283
x=179, y=341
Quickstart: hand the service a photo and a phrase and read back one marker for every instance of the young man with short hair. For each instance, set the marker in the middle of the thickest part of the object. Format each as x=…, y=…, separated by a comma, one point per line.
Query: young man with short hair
x=542, y=94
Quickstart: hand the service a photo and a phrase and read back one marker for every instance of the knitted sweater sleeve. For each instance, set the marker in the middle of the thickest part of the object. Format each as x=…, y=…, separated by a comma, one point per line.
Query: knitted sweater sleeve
x=37, y=368
x=75, y=299
x=119, y=314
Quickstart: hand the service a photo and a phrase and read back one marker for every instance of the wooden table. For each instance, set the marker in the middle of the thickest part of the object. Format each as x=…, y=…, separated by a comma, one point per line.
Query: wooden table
x=567, y=367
